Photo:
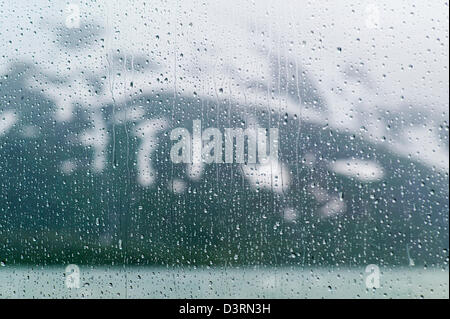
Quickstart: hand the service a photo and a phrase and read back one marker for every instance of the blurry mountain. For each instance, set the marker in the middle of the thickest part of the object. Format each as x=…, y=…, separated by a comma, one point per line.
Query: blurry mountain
x=86, y=115
x=73, y=192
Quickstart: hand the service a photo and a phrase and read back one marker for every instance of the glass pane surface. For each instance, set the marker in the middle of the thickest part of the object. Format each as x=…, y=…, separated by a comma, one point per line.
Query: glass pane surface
x=249, y=149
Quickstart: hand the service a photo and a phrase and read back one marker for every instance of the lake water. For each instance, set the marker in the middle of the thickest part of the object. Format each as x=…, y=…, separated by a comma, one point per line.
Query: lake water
x=147, y=282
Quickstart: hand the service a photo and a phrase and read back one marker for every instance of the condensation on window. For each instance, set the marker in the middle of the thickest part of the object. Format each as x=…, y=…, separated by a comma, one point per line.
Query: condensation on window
x=249, y=149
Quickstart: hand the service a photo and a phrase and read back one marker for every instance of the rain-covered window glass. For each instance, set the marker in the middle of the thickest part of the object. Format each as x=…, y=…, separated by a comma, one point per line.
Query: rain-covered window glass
x=279, y=149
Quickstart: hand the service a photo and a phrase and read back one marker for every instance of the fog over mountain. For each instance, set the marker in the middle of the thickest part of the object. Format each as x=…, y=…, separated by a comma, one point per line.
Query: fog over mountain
x=358, y=92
